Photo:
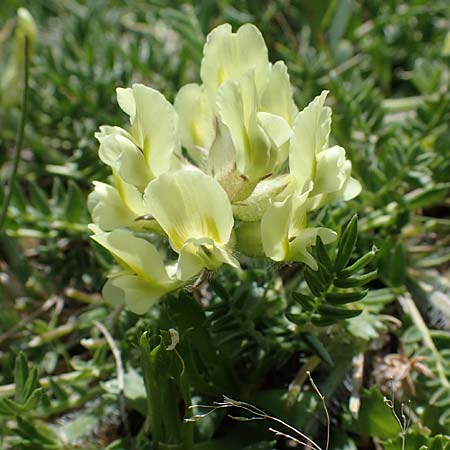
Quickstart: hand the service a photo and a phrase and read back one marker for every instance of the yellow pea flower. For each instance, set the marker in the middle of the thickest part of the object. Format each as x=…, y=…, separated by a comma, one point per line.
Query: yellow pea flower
x=144, y=278
x=228, y=56
x=116, y=206
x=284, y=232
x=119, y=151
x=311, y=159
x=278, y=99
x=239, y=127
x=244, y=101
x=256, y=135
x=194, y=211
x=154, y=127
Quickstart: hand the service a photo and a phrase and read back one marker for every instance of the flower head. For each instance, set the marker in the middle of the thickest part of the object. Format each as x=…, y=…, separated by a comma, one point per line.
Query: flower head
x=251, y=169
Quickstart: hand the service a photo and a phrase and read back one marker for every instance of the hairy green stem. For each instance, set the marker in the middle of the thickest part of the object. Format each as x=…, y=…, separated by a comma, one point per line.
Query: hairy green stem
x=19, y=139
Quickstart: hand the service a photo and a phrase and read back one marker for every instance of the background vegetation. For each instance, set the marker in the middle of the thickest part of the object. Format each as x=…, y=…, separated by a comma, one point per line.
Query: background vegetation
x=386, y=64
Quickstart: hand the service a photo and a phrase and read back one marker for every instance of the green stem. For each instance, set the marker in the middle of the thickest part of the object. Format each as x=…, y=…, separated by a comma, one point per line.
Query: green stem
x=19, y=140
x=410, y=308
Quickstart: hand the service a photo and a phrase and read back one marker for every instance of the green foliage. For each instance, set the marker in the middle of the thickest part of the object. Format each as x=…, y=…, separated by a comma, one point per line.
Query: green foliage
x=374, y=418
x=330, y=283
x=27, y=395
x=249, y=334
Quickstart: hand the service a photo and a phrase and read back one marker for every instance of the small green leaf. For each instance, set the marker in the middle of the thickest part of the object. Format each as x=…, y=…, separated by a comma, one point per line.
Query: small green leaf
x=75, y=205
x=314, y=282
x=322, y=321
x=357, y=265
x=439, y=442
x=338, y=313
x=58, y=192
x=342, y=298
x=398, y=265
x=39, y=199
x=40, y=434
x=31, y=383
x=33, y=400
x=298, y=319
x=9, y=407
x=323, y=259
x=59, y=393
x=20, y=377
x=346, y=244
x=307, y=303
x=18, y=199
x=375, y=418
x=441, y=397
x=360, y=280
x=444, y=419
x=317, y=347
x=120, y=444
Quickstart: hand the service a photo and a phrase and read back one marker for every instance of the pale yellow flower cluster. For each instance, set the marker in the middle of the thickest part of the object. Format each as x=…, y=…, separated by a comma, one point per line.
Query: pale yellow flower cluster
x=232, y=165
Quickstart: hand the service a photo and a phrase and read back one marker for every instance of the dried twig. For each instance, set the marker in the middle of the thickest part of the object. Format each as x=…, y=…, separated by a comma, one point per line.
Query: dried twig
x=257, y=414
x=324, y=407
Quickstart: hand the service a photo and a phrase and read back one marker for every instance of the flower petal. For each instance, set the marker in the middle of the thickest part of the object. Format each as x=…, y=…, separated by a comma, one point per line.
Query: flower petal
x=284, y=233
x=154, y=124
x=275, y=229
x=197, y=121
x=125, y=157
x=275, y=127
x=198, y=254
x=311, y=132
x=137, y=294
x=351, y=189
x=330, y=171
x=107, y=208
x=333, y=181
x=300, y=247
x=237, y=110
x=277, y=98
x=189, y=204
x=136, y=255
x=222, y=156
x=227, y=56
x=125, y=99
x=130, y=195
